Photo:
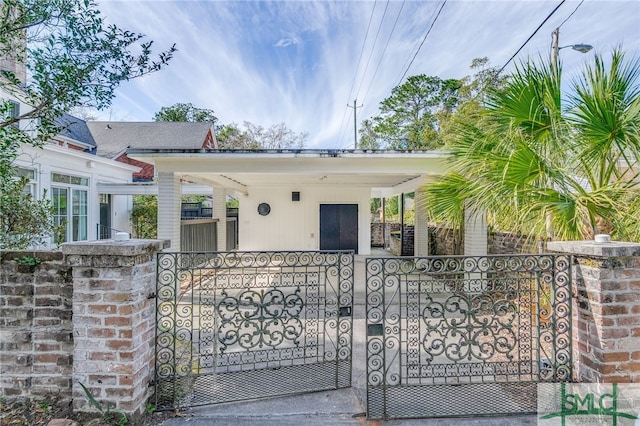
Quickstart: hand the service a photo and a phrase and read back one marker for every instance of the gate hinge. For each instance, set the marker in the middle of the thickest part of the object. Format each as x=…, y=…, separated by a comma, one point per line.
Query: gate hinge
x=345, y=311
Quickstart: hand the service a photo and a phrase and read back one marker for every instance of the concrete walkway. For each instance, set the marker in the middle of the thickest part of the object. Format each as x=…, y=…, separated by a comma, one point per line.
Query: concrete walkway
x=339, y=407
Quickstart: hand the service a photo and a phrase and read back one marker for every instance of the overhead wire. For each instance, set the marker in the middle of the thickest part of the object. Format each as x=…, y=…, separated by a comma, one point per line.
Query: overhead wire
x=384, y=13
x=482, y=89
x=423, y=40
x=375, y=40
x=366, y=92
x=531, y=36
x=571, y=14
x=355, y=75
x=371, y=81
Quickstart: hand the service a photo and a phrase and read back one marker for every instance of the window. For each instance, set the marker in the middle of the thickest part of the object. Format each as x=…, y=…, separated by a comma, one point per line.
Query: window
x=70, y=206
x=13, y=111
x=30, y=174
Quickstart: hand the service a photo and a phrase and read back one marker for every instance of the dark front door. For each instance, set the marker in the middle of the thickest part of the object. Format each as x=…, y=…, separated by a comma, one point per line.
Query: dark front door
x=339, y=227
x=105, y=217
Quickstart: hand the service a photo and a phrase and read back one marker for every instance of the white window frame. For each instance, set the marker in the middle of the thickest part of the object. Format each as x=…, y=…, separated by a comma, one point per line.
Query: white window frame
x=76, y=217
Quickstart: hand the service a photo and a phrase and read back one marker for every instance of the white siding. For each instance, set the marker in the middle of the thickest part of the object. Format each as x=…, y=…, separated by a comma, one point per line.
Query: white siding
x=421, y=228
x=220, y=212
x=475, y=234
x=295, y=225
x=169, y=196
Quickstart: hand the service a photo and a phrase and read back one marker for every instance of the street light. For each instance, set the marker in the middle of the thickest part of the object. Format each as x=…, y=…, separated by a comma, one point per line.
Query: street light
x=555, y=35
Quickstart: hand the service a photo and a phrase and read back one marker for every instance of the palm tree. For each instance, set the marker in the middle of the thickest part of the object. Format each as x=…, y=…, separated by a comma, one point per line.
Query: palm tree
x=534, y=166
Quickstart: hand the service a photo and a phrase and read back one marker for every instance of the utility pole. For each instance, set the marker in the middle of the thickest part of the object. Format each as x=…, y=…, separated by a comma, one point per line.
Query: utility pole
x=355, y=123
x=555, y=36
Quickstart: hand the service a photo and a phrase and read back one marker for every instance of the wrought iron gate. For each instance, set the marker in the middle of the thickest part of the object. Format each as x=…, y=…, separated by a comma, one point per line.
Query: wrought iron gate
x=243, y=325
x=455, y=336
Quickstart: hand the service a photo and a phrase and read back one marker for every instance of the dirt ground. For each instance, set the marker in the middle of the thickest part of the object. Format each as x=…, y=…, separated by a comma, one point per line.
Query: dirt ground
x=40, y=413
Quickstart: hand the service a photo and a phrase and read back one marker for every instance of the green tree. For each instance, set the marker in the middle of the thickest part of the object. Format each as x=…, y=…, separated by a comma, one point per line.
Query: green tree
x=144, y=216
x=72, y=59
x=408, y=118
x=535, y=167
x=185, y=112
x=471, y=96
x=369, y=139
x=252, y=136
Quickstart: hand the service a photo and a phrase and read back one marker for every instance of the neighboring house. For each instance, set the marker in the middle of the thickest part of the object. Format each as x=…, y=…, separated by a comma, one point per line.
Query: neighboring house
x=115, y=137
x=68, y=172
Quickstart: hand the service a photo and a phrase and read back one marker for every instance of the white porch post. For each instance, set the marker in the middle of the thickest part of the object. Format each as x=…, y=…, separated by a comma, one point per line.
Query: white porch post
x=475, y=233
x=169, y=196
x=220, y=213
x=421, y=227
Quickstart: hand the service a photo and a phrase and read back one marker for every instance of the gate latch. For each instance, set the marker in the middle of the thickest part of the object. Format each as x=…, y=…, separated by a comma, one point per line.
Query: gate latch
x=345, y=311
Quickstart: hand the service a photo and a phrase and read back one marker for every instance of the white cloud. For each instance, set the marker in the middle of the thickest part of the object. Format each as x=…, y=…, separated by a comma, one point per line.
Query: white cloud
x=297, y=61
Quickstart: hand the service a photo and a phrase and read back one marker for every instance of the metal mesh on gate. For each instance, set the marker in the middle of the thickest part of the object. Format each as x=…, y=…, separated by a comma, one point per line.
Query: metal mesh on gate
x=243, y=325
x=454, y=336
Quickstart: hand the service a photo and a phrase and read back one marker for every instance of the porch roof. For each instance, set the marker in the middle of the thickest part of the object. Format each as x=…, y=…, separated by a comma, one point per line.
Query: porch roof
x=384, y=172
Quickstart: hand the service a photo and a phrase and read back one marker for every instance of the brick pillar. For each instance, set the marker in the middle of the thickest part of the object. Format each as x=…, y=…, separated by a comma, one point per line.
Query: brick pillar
x=606, y=322
x=113, y=321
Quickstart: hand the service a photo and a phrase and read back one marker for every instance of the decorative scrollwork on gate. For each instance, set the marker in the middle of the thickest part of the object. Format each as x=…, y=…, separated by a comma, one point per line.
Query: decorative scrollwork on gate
x=469, y=328
x=484, y=322
x=256, y=319
x=243, y=325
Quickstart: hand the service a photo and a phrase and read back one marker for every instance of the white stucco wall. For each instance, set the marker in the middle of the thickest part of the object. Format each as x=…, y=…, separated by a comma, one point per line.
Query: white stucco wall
x=295, y=225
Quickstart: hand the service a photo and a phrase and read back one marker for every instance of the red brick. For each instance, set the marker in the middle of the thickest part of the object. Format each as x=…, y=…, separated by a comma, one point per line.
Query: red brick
x=125, y=310
x=118, y=344
x=101, y=332
x=615, y=356
x=628, y=320
x=46, y=358
x=615, y=309
x=125, y=334
x=118, y=321
x=118, y=297
x=102, y=309
x=102, y=356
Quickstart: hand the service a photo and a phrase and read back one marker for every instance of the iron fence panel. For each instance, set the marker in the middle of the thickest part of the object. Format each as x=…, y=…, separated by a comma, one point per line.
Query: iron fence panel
x=244, y=325
x=452, y=336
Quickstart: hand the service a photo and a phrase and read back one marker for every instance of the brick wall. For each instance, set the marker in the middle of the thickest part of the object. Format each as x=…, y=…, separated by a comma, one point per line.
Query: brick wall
x=606, y=310
x=36, y=330
x=377, y=234
x=84, y=315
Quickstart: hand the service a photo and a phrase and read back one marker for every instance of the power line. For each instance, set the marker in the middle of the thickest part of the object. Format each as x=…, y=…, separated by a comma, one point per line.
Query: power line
x=366, y=92
x=386, y=7
x=355, y=74
x=423, y=40
x=342, y=125
x=531, y=36
x=574, y=11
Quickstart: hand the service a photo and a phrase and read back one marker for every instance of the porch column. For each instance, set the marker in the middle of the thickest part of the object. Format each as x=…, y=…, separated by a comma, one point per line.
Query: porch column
x=220, y=213
x=475, y=233
x=606, y=310
x=169, y=196
x=421, y=227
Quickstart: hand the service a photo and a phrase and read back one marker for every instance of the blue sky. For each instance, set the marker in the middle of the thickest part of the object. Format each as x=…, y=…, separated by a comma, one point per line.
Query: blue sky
x=303, y=62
